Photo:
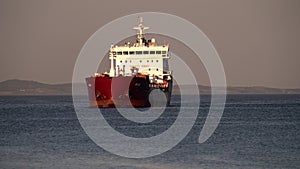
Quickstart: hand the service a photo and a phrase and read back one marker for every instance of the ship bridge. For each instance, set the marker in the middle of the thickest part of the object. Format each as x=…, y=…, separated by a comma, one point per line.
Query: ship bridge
x=143, y=56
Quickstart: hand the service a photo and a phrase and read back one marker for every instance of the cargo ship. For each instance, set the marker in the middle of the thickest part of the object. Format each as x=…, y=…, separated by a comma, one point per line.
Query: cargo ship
x=136, y=70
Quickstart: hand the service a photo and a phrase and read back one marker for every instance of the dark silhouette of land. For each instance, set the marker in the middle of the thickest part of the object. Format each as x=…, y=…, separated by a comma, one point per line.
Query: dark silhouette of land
x=26, y=87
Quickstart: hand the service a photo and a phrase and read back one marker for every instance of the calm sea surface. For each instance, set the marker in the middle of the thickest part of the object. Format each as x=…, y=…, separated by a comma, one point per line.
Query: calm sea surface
x=256, y=131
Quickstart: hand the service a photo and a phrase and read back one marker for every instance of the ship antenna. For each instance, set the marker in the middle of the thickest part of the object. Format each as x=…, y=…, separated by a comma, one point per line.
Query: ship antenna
x=141, y=29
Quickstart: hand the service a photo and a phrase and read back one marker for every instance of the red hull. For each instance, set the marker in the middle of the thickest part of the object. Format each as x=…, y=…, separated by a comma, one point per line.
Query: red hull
x=105, y=91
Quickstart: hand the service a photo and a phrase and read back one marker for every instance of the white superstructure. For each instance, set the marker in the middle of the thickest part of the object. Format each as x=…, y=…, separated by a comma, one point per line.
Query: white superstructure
x=143, y=56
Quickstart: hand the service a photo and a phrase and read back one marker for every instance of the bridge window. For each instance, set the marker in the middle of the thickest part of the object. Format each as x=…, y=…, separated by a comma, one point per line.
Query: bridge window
x=139, y=52
x=164, y=52
x=131, y=52
x=156, y=60
x=146, y=52
x=119, y=53
x=158, y=52
x=152, y=52
x=125, y=53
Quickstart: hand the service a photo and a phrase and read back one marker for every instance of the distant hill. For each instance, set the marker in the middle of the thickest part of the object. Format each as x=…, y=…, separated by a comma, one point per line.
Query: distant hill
x=261, y=90
x=26, y=87
x=240, y=90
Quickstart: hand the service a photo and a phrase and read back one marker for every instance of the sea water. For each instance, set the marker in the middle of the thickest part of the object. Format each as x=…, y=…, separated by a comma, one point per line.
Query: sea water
x=255, y=131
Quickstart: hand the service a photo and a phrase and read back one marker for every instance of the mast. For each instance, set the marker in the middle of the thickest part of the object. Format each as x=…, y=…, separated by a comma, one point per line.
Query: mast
x=141, y=29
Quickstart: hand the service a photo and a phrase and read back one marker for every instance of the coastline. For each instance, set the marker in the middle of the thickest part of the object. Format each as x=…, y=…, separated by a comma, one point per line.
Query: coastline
x=26, y=88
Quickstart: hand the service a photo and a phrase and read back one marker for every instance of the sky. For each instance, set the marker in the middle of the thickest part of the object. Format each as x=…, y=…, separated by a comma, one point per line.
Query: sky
x=257, y=40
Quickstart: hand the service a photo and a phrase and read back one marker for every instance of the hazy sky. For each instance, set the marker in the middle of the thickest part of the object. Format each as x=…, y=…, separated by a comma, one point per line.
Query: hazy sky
x=258, y=40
